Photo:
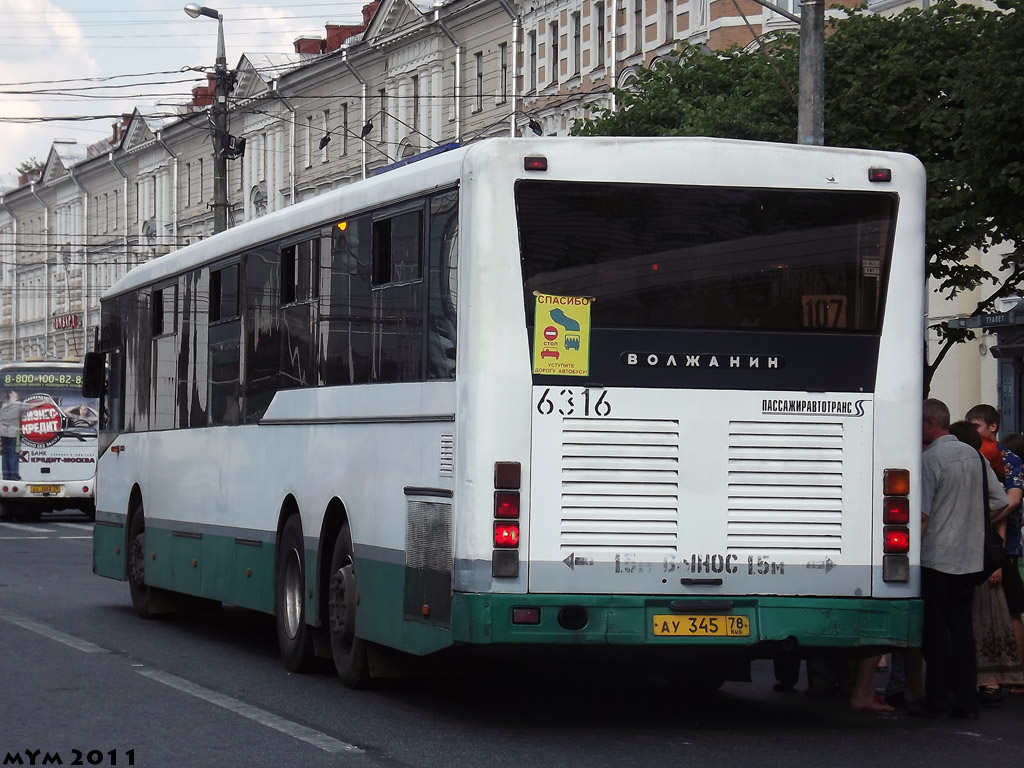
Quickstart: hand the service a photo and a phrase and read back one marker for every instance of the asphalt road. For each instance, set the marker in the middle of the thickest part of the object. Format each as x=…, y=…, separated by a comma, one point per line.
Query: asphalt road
x=82, y=678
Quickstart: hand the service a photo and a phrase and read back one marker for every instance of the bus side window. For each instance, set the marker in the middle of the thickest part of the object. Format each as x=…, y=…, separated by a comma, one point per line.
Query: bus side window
x=398, y=297
x=262, y=280
x=138, y=359
x=223, y=385
x=344, y=347
x=299, y=286
x=165, y=373
x=193, y=338
x=443, y=272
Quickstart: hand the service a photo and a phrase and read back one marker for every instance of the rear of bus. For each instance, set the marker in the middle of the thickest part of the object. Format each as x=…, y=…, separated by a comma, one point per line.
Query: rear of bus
x=711, y=434
x=56, y=441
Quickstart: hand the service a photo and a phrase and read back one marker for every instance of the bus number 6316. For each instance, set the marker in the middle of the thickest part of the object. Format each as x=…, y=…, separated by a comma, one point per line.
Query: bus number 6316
x=567, y=402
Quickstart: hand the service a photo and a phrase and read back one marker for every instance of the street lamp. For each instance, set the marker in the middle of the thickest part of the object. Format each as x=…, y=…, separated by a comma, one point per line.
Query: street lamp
x=219, y=119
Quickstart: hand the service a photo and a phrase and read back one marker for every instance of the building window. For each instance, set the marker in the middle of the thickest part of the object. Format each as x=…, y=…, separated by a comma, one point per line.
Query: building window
x=638, y=24
x=702, y=15
x=344, y=129
x=478, y=101
x=599, y=32
x=325, y=155
x=455, y=92
x=414, y=112
x=577, y=43
x=117, y=205
x=554, y=53
x=199, y=190
x=670, y=21
x=532, y=63
x=383, y=94
x=503, y=82
x=264, y=157
x=309, y=140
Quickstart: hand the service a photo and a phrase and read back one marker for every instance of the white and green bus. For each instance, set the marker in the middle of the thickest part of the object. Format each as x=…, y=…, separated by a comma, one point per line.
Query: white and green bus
x=53, y=454
x=656, y=397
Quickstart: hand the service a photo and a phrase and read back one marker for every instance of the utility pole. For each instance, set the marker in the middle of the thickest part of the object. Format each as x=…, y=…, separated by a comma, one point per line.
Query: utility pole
x=218, y=119
x=811, y=102
x=811, y=109
x=220, y=133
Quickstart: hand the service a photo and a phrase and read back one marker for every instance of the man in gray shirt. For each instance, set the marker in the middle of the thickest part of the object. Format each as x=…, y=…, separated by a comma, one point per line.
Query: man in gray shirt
x=952, y=544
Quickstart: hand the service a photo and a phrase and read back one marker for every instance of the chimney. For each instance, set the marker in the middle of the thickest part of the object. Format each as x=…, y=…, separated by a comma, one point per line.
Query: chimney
x=307, y=44
x=29, y=177
x=202, y=95
x=339, y=33
x=368, y=11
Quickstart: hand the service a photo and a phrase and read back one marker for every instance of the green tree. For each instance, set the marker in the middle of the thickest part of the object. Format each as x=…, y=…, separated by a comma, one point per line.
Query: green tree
x=32, y=165
x=942, y=84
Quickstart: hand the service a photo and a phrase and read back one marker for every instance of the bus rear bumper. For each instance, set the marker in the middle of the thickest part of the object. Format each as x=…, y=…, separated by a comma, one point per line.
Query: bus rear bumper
x=763, y=625
x=48, y=493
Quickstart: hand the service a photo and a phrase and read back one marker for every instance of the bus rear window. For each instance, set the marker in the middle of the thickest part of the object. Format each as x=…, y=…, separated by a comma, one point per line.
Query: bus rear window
x=659, y=256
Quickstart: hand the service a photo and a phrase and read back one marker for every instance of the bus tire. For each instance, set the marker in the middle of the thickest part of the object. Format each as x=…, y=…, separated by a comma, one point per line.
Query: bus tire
x=8, y=511
x=142, y=595
x=294, y=635
x=347, y=650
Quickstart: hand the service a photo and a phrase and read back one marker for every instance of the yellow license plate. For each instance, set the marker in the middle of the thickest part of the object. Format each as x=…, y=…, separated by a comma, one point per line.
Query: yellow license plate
x=44, y=489
x=688, y=625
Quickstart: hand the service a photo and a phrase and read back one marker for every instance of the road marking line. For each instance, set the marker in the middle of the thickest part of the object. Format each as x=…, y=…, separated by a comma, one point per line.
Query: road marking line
x=54, y=634
x=76, y=526
x=261, y=716
x=20, y=527
x=64, y=538
x=24, y=538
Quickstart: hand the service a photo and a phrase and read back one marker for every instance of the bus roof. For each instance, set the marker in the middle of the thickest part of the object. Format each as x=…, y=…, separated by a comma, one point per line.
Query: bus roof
x=439, y=169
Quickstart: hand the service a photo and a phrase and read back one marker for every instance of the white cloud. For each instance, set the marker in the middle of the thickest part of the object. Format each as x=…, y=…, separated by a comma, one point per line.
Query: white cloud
x=53, y=43
x=49, y=46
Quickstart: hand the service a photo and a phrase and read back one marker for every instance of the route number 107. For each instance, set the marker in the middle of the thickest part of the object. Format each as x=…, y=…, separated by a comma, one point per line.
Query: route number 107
x=569, y=402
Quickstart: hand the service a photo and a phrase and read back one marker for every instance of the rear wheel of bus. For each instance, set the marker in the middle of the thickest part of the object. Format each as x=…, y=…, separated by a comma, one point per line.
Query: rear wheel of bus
x=147, y=601
x=347, y=650
x=294, y=635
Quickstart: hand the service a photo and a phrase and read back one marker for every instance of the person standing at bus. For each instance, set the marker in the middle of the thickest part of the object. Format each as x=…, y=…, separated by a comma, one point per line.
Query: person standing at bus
x=10, y=430
x=1006, y=666
x=952, y=542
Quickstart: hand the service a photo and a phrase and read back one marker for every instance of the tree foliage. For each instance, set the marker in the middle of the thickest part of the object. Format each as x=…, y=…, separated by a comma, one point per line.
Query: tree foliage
x=32, y=165
x=943, y=84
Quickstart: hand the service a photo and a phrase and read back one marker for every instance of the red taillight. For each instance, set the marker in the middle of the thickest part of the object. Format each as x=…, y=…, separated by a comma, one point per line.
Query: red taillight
x=895, y=510
x=506, y=505
x=879, y=174
x=508, y=474
x=897, y=540
x=85, y=489
x=896, y=482
x=535, y=163
x=526, y=615
x=506, y=535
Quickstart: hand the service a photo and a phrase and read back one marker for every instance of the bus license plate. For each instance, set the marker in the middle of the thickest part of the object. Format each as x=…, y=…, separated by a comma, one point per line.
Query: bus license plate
x=44, y=489
x=677, y=625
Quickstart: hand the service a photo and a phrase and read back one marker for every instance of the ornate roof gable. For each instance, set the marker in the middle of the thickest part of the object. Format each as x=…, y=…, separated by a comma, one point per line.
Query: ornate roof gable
x=138, y=132
x=64, y=153
x=394, y=17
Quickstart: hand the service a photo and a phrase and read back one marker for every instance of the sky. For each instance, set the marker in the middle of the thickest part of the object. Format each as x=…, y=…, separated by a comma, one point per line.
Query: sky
x=93, y=60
